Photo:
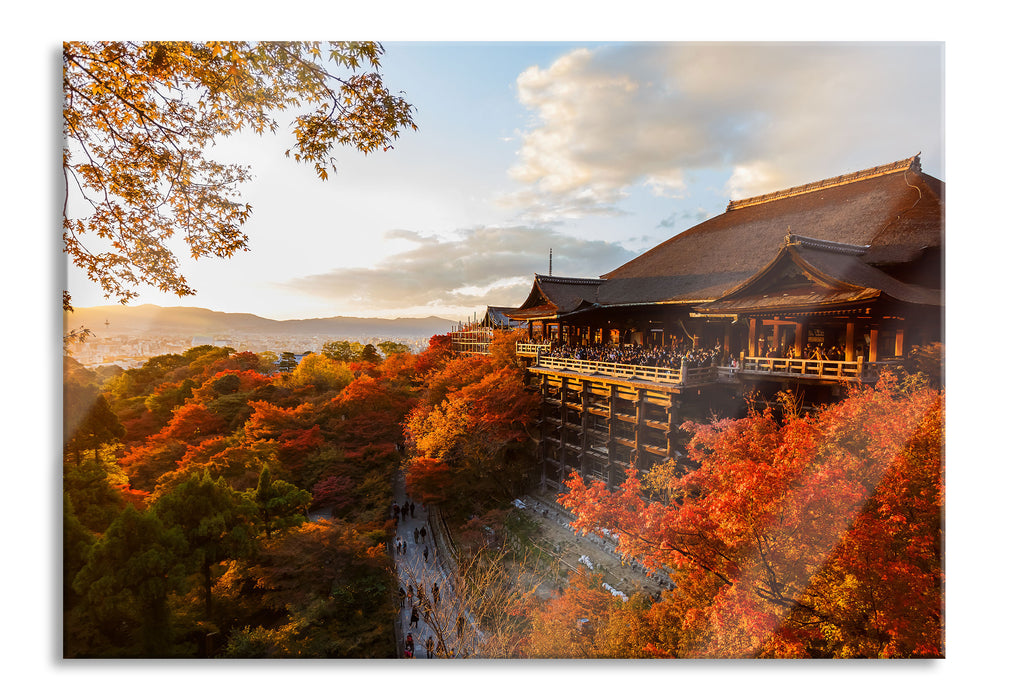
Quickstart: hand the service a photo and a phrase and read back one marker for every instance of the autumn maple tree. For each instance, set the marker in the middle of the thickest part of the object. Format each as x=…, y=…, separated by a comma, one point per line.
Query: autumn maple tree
x=138, y=119
x=469, y=435
x=815, y=534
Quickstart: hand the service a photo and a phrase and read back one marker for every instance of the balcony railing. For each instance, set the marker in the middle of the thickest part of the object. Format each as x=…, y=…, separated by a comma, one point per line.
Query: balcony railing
x=664, y=375
x=840, y=370
x=530, y=349
x=834, y=370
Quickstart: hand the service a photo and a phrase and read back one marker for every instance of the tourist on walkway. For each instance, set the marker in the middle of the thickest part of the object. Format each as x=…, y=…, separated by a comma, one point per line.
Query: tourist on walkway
x=429, y=646
x=411, y=510
x=435, y=593
x=408, y=647
x=414, y=618
x=425, y=554
x=423, y=533
x=416, y=535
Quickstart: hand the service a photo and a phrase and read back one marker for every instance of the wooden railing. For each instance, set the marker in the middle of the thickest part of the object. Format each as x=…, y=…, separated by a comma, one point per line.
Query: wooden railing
x=530, y=349
x=841, y=370
x=665, y=375
x=475, y=342
x=837, y=370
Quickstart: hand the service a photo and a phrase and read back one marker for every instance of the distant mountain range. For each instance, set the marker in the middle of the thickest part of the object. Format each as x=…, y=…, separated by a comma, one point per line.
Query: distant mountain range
x=187, y=320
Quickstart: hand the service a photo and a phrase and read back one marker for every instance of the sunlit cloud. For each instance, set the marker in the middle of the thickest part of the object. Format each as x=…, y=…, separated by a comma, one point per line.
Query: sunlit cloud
x=773, y=115
x=472, y=268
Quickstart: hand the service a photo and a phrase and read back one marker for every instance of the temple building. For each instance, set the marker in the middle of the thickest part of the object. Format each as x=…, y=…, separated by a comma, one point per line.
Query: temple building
x=806, y=289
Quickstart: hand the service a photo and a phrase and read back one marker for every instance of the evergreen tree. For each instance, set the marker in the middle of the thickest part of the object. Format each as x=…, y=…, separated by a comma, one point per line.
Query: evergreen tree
x=216, y=522
x=280, y=504
x=128, y=576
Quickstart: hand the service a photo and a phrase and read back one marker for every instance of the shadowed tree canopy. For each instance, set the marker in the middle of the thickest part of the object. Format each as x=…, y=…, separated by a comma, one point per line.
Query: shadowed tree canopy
x=138, y=117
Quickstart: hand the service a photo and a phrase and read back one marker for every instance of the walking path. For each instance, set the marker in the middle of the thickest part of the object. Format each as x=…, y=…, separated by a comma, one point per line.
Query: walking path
x=430, y=609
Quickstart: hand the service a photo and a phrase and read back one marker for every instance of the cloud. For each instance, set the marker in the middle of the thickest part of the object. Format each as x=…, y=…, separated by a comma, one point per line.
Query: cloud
x=472, y=268
x=685, y=219
x=772, y=115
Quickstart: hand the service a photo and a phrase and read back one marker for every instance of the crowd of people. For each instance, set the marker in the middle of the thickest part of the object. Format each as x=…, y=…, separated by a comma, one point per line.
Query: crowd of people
x=812, y=351
x=642, y=355
x=675, y=358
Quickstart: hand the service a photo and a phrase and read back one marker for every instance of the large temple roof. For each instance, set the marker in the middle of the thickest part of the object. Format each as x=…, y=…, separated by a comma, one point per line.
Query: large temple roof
x=892, y=213
x=895, y=209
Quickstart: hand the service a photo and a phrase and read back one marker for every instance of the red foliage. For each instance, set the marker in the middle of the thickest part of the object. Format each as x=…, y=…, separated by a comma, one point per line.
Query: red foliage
x=295, y=445
x=145, y=464
x=135, y=497
x=191, y=422
x=429, y=480
x=819, y=535
x=437, y=353
x=244, y=381
x=336, y=492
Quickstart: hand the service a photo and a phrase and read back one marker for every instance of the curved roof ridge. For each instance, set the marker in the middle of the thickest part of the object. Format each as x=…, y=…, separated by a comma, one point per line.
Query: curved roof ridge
x=912, y=163
x=821, y=244
x=568, y=280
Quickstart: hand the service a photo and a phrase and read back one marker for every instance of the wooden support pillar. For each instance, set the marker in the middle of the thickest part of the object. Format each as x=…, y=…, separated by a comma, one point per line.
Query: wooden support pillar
x=898, y=345
x=873, y=344
x=541, y=448
x=611, y=444
x=752, y=346
x=673, y=414
x=849, y=342
x=583, y=460
x=776, y=342
x=563, y=432
x=639, y=426
x=800, y=337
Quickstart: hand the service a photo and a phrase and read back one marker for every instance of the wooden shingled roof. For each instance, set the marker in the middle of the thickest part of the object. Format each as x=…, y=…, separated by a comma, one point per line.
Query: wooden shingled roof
x=822, y=274
x=894, y=213
x=553, y=296
x=496, y=317
x=895, y=209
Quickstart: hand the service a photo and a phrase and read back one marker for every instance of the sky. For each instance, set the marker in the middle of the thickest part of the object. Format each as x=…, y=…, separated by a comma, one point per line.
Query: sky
x=596, y=151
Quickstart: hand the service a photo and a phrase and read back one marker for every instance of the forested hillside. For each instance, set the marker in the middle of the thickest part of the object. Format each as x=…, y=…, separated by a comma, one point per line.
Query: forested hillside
x=187, y=486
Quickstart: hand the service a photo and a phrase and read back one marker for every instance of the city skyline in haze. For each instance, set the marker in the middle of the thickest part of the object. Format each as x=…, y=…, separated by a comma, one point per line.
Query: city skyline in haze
x=594, y=151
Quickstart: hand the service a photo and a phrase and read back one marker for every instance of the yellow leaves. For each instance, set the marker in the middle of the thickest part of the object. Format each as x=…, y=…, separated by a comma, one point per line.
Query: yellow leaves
x=137, y=117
